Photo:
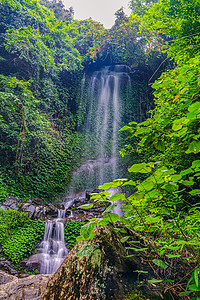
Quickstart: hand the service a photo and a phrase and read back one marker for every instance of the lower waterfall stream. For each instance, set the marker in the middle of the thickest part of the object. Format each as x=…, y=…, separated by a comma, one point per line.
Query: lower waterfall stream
x=52, y=248
x=103, y=122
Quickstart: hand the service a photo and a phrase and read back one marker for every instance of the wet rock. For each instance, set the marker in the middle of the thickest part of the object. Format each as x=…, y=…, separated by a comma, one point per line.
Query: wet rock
x=39, y=213
x=35, y=201
x=28, y=288
x=7, y=266
x=33, y=206
x=59, y=206
x=11, y=203
x=5, y=277
x=106, y=273
x=30, y=209
x=51, y=211
x=31, y=264
x=81, y=217
x=38, y=210
x=80, y=201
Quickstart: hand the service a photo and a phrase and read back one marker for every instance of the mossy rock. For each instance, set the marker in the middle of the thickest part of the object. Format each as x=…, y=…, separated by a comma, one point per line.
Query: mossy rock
x=105, y=273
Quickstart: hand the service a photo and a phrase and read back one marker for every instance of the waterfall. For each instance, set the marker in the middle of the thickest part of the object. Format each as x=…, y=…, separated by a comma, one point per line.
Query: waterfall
x=99, y=117
x=100, y=114
x=52, y=249
x=101, y=122
x=116, y=118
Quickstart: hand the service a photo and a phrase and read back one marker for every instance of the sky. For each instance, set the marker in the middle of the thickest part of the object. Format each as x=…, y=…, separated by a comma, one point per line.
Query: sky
x=99, y=10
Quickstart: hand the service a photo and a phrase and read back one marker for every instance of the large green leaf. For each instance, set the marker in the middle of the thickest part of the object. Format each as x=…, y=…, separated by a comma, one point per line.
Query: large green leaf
x=141, y=168
x=87, y=231
x=109, y=208
x=109, y=218
x=195, y=192
x=177, y=125
x=124, y=239
x=194, y=147
x=196, y=164
x=194, y=107
x=160, y=263
x=86, y=206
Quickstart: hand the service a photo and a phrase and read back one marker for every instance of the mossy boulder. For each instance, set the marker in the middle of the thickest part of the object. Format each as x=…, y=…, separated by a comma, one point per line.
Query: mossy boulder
x=105, y=273
x=29, y=288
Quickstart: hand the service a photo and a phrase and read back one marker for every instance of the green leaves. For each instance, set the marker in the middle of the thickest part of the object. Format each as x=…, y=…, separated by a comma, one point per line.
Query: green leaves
x=109, y=218
x=109, y=208
x=194, y=107
x=195, y=192
x=129, y=129
x=137, y=249
x=115, y=183
x=86, y=206
x=141, y=168
x=160, y=263
x=87, y=232
x=154, y=281
x=196, y=276
x=194, y=147
x=173, y=255
x=124, y=239
x=72, y=231
x=193, y=284
x=178, y=124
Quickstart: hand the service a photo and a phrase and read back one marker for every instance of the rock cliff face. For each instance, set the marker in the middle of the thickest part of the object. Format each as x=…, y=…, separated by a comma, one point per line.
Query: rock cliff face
x=106, y=273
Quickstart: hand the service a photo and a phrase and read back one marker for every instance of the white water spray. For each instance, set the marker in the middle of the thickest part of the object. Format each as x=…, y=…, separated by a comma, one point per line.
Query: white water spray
x=103, y=111
x=52, y=248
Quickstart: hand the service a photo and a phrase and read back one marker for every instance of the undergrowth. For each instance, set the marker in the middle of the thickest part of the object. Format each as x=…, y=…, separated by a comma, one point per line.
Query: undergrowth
x=72, y=230
x=19, y=234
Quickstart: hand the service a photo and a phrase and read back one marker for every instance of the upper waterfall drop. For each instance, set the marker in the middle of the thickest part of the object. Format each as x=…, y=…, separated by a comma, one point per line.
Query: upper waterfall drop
x=100, y=118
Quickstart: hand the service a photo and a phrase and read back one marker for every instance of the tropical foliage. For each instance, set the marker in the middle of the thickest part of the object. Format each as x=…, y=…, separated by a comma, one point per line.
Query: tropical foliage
x=72, y=231
x=19, y=235
x=42, y=56
x=164, y=207
x=37, y=125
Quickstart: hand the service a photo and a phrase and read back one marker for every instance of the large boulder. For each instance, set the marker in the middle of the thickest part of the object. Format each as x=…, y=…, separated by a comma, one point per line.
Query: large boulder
x=106, y=273
x=28, y=288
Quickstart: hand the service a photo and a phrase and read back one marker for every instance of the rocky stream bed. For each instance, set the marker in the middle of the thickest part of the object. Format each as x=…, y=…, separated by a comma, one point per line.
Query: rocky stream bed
x=106, y=273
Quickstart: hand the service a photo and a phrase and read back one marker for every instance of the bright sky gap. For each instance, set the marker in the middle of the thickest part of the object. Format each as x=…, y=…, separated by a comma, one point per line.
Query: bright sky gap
x=99, y=10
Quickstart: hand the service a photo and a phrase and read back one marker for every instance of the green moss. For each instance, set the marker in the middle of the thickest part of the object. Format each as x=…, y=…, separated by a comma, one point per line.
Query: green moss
x=134, y=295
x=96, y=258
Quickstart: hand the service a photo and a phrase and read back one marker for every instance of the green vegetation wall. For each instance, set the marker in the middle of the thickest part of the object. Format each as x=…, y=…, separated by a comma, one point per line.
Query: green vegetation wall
x=163, y=209
x=40, y=73
x=42, y=55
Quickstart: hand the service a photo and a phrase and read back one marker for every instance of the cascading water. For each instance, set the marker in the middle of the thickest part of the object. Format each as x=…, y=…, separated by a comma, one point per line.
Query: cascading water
x=52, y=248
x=103, y=116
x=102, y=124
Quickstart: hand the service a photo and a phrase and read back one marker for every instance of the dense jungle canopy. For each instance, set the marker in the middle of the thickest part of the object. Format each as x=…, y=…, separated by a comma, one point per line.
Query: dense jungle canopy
x=44, y=53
